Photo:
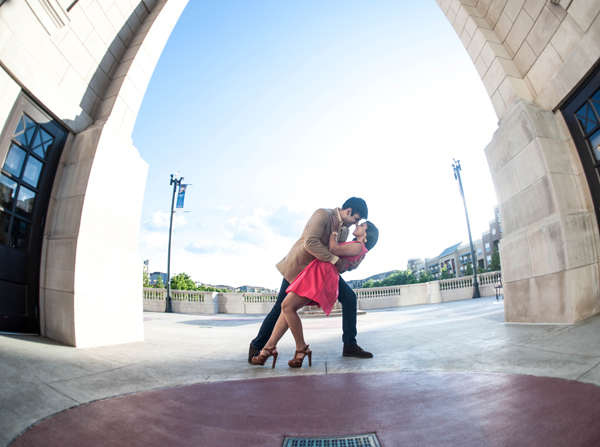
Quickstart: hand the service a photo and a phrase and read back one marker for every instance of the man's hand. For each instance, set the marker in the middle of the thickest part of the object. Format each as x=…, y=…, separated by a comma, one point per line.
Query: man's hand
x=335, y=224
x=353, y=265
x=342, y=265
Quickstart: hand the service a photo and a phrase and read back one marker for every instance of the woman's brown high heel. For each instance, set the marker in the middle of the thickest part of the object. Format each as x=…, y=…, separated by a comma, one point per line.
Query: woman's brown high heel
x=296, y=362
x=261, y=358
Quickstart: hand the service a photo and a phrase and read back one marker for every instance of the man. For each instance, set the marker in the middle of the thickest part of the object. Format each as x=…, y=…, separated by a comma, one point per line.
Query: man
x=314, y=243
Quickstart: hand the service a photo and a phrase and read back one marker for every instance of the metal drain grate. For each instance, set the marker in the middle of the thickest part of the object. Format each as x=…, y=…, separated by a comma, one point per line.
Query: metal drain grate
x=368, y=440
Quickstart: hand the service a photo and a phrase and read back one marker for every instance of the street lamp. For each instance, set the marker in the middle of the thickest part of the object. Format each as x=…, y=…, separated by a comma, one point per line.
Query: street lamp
x=456, y=168
x=175, y=182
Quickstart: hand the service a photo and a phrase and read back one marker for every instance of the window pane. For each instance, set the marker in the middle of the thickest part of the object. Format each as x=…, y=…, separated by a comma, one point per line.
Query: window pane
x=14, y=160
x=42, y=142
x=19, y=236
x=4, y=224
x=595, y=143
x=32, y=171
x=25, y=130
x=25, y=202
x=8, y=189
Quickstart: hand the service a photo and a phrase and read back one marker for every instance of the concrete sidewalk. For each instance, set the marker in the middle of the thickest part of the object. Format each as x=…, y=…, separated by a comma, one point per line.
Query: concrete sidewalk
x=42, y=377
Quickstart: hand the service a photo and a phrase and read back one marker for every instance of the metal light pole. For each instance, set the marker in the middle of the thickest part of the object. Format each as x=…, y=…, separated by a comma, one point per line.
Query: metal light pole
x=456, y=167
x=175, y=182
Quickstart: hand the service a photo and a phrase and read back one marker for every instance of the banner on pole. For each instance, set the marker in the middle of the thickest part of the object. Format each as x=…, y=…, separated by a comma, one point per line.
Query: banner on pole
x=181, y=196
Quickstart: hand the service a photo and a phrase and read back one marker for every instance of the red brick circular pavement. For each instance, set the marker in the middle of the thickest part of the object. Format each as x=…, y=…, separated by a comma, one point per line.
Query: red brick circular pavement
x=403, y=408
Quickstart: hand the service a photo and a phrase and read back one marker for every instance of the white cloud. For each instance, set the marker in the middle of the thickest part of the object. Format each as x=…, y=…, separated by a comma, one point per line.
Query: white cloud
x=160, y=221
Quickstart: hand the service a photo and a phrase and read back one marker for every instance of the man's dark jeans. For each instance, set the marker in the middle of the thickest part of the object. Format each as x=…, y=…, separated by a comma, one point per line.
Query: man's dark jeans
x=346, y=297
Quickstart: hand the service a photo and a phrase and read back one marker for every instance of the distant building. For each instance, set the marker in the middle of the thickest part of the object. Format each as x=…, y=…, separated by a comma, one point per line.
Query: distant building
x=154, y=277
x=456, y=257
x=255, y=289
x=358, y=283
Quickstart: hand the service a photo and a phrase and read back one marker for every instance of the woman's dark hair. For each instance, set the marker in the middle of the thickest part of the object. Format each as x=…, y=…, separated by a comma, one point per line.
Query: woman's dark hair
x=358, y=205
x=372, y=235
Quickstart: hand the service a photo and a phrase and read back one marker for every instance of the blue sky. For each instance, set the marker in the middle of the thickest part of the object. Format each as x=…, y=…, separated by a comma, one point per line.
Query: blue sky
x=271, y=110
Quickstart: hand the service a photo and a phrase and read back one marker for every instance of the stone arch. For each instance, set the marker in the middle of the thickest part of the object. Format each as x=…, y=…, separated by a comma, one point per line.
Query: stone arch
x=531, y=56
x=89, y=63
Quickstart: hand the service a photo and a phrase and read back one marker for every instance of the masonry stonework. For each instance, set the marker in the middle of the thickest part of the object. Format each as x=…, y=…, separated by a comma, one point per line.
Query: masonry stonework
x=531, y=55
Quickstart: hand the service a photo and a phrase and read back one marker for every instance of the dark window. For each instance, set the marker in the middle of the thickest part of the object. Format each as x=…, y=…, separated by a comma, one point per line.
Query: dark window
x=19, y=181
x=582, y=115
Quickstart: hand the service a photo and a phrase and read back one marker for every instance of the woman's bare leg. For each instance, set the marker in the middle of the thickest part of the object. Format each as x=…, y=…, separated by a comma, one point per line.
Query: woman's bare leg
x=289, y=308
x=279, y=330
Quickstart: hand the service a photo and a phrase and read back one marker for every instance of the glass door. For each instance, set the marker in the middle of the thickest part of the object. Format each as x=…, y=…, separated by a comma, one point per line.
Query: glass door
x=582, y=114
x=30, y=150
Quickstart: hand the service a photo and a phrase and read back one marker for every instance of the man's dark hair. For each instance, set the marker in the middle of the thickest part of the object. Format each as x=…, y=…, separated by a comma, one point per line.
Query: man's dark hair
x=358, y=205
x=372, y=235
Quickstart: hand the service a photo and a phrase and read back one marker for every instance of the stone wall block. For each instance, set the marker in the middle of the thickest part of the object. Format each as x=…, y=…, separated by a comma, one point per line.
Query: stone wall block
x=498, y=103
x=506, y=182
x=542, y=122
x=67, y=217
x=75, y=178
x=529, y=206
x=575, y=67
x=584, y=12
x=534, y=7
x=512, y=89
x=84, y=145
x=529, y=165
x=557, y=156
x=566, y=38
x=465, y=38
x=481, y=67
x=451, y=15
x=519, y=31
x=80, y=24
x=543, y=30
x=580, y=240
x=544, y=68
x=583, y=284
x=60, y=268
x=546, y=247
x=511, y=137
x=567, y=189
x=483, y=6
x=460, y=21
x=59, y=316
x=503, y=27
x=513, y=9
x=516, y=248
x=524, y=59
x=492, y=50
x=495, y=10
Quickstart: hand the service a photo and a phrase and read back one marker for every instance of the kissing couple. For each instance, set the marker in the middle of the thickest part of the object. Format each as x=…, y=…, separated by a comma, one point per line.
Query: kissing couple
x=311, y=276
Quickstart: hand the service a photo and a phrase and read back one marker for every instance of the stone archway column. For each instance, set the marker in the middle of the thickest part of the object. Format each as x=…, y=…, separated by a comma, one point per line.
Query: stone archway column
x=549, y=251
x=91, y=275
x=530, y=57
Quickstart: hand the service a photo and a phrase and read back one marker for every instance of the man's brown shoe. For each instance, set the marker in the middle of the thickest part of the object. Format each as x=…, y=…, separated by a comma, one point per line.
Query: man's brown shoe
x=252, y=352
x=356, y=351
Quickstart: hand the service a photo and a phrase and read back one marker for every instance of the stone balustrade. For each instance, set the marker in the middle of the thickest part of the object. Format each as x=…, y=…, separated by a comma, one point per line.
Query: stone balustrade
x=200, y=302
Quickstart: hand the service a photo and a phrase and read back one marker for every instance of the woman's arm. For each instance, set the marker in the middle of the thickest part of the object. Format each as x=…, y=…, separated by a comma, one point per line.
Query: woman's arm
x=346, y=250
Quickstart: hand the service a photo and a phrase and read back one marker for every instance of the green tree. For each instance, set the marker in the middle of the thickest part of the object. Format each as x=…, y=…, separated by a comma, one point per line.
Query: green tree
x=425, y=277
x=469, y=270
x=445, y=274
x=368, y=284
x=481, y=270
x=183, y=281
x=495, y=265
x=146, y=279
x=159, y=283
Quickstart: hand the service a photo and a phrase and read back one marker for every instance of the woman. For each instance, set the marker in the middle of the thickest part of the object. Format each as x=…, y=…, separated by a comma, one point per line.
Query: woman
x=317, y=284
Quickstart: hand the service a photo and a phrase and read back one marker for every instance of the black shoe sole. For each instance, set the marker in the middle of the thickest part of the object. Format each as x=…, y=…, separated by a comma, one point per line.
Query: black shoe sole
x=357, y=356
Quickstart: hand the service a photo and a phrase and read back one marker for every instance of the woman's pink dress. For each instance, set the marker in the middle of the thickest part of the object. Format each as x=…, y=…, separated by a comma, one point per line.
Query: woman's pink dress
x=319, y=281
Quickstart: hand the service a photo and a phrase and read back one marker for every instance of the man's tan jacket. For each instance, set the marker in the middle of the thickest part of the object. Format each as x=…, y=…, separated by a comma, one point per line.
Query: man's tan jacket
x=314, y=243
